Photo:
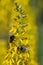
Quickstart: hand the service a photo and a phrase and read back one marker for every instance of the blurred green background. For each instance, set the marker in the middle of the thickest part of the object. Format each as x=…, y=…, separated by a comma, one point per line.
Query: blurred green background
x=38, y=5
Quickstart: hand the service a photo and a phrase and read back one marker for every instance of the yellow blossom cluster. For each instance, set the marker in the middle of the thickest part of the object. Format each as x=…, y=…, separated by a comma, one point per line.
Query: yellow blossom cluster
x=22, y=27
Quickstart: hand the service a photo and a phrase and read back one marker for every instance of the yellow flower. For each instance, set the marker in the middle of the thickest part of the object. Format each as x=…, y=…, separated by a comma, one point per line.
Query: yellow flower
x=25, y=36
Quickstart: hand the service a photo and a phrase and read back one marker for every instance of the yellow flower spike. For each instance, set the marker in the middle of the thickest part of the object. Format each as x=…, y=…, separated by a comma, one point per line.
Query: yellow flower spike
x=26, y=38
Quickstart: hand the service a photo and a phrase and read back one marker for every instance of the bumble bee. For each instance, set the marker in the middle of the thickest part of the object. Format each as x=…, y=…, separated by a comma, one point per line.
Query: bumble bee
x=12, y=37
x=22, y=49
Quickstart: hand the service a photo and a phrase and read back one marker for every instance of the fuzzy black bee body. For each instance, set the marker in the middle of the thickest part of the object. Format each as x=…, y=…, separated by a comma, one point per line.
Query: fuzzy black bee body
x=12, y=38
x=22, y=49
